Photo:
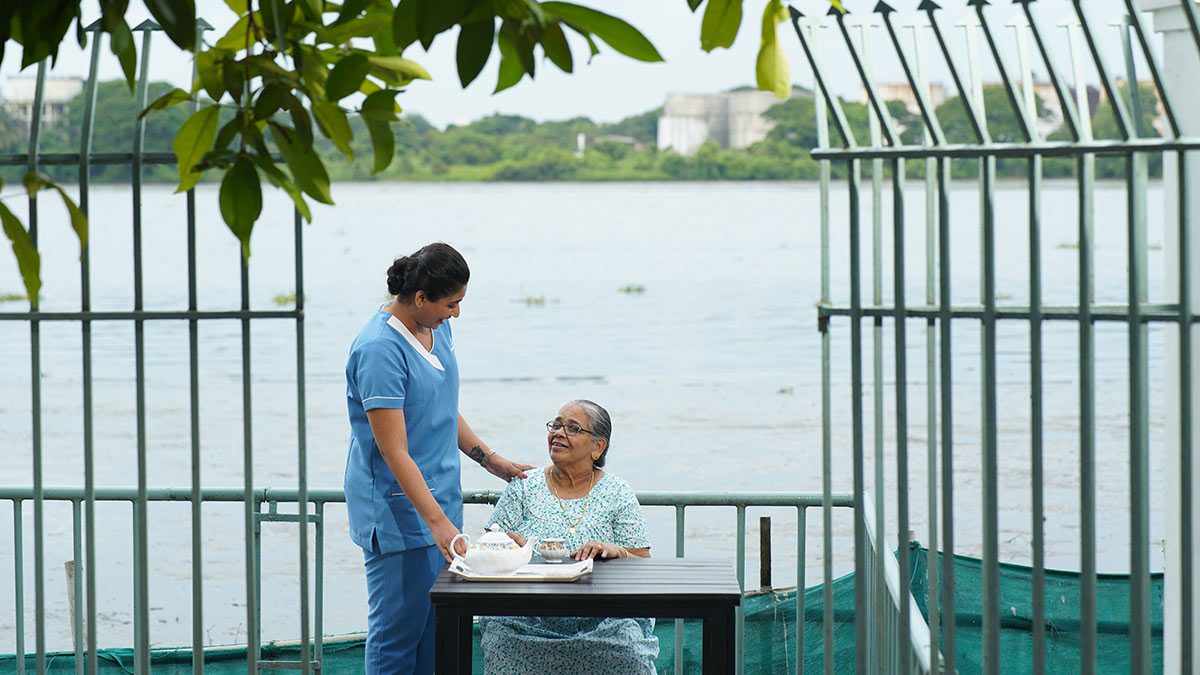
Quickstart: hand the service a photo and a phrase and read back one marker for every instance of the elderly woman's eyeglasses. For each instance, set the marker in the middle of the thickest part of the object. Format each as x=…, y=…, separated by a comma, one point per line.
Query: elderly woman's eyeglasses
x=570, y=428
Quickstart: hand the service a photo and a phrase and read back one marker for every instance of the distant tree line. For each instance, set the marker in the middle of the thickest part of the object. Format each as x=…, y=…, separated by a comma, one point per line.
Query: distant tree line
x=514, y=148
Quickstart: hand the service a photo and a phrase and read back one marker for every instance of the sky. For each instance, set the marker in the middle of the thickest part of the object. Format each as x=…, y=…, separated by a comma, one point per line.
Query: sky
x=612, y=86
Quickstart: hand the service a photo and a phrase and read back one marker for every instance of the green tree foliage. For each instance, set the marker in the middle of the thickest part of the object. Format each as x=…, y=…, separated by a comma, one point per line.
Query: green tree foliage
x=291, y=71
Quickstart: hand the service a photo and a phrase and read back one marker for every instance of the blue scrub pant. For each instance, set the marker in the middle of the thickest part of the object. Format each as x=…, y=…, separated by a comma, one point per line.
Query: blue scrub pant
x=400, y=637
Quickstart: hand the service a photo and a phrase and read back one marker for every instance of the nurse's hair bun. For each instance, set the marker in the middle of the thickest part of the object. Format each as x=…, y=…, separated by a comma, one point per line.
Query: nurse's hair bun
x=437, y=269
x=395, y=275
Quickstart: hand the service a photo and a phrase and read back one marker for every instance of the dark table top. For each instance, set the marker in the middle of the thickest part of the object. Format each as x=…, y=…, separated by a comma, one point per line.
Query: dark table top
x=656, y=587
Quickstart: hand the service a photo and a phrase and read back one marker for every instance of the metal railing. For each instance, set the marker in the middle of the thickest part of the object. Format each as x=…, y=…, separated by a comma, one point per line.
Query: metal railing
x=316, y=501
x=888, y=157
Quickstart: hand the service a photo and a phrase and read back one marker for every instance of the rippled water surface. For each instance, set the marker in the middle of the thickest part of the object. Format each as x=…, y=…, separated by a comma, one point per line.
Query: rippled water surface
x=712, y=372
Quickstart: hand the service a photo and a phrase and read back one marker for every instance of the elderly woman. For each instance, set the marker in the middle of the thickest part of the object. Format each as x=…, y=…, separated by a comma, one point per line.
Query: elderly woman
x=598, y=515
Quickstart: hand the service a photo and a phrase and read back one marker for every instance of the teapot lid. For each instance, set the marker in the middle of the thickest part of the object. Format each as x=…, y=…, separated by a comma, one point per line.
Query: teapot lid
x=494, y=538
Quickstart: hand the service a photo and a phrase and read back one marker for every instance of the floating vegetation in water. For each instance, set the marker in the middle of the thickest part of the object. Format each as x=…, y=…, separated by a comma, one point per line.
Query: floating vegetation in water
x=12, y=297
x=532, y=300
x=632, y=288
x=285, y=299
x=1071, y=245
x=1154, y=247
x=1001, y=297
x=786, y=391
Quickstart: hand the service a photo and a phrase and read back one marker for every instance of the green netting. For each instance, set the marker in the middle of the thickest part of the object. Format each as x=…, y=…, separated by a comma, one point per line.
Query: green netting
x=771, y=625
x=1062, y=617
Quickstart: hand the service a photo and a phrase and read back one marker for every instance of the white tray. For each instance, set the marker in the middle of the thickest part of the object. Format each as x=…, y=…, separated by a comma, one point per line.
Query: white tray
x=539, y=573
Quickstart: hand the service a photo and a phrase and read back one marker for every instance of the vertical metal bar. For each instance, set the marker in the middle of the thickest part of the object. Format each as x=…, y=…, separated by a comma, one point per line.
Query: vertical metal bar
x=250, y=506
x=916, y=78
x=35, y=365
x=141, y=614
x=978, y=125
x=77, y=584
x=1139, y=433
x=1035, y=411
x=256, y=627
x=876, y=101
x=19, y=583
x=1139, y=406
x=319, y=590
x=881, y=598
x=949, y=644
x=679, y=540
x=824, y=167
x=1024, y=114
x=85, y=286
x=801, y=541
x=1087, y=422
x=991, y=535
x=194, y=422
x=1193, y=19
x=856, y=386
x=901, y=365
x=921, y=83
x=302, y=442
x=1186, y=546
x=741, y=577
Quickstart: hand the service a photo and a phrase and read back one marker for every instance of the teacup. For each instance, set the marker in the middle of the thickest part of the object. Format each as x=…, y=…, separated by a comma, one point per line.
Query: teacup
x=552, y=550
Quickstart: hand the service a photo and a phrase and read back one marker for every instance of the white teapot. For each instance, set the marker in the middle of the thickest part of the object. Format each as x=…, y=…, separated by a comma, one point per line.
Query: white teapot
x=494, y=553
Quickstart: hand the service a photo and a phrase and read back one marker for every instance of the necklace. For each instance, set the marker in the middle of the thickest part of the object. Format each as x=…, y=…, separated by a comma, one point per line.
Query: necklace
x=571, y=526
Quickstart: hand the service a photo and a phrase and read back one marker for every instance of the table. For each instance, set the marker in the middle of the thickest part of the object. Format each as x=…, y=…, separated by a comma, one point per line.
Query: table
x=683, y=588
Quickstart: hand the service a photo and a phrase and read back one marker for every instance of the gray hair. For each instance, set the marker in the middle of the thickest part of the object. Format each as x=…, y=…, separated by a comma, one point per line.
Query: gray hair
x=599, y=421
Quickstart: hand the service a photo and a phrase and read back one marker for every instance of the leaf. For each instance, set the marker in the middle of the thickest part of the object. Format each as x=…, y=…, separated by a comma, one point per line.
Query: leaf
x=308, y=171
x=177, y=18
x=335, y=126
x=235, y=38
x=346, y=77
x=269, y=100
x=173, y=97
x=280, y=180
x=436, y=16
x=351, y=9
x=511, y=70
x=239, y=7
x=398, y=64
x=719, y=28
x=35, y=181
x=241, y=200
x=276, y=19
x=474, y=48
x=378, y=111
x=555, y=45
x=772, y=68
x=404, y=24
x=121, y=44
x=617, y=33
x=194, y=139
x=693, y=4
x=210, y=64
x=28, y=261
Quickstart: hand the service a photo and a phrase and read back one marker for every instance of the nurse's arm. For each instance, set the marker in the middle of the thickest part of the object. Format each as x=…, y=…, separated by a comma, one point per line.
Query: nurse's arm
x=387, y=424
x=473, y=446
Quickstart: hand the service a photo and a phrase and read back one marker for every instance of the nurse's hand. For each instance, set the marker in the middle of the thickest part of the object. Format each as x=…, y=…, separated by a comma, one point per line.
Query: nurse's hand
x=506, y=469
x=443, y=532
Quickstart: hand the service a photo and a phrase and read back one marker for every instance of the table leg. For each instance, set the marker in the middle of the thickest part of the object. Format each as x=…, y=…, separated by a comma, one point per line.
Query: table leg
x=719, y=643
x=453, y=646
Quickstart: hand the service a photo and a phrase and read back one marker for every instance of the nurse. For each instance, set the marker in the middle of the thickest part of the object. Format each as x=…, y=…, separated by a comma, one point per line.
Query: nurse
x=403, y=484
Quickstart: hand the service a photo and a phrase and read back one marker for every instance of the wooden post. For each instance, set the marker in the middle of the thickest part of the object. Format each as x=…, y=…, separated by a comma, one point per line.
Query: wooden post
x=764, y=552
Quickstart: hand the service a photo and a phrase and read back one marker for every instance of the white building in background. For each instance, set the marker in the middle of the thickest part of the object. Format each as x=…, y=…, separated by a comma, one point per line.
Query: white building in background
x=733, y=119
x=18, y=92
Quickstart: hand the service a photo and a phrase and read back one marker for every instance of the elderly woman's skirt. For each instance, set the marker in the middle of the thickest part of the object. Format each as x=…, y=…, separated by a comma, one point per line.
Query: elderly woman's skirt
x=513, y=645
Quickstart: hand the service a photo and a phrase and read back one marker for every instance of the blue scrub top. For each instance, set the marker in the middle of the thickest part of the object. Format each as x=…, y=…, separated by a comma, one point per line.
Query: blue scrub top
x=388, y=368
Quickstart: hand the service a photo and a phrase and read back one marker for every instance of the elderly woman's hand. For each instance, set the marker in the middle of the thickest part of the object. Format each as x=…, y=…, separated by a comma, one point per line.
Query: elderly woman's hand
x=600, y=549
x=517, y=537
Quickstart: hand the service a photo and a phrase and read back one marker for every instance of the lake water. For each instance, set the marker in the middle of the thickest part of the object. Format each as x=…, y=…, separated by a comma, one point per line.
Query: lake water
x=711, y=373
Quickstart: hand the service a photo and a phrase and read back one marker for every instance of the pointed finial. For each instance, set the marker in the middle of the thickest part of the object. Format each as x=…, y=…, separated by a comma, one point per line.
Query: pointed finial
x=884, y=8
x=93, y=26
x=147, y=25
x=796, y=15
x=834, y=11
x=928, y=6
x=202, y=24
x=977, y=3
